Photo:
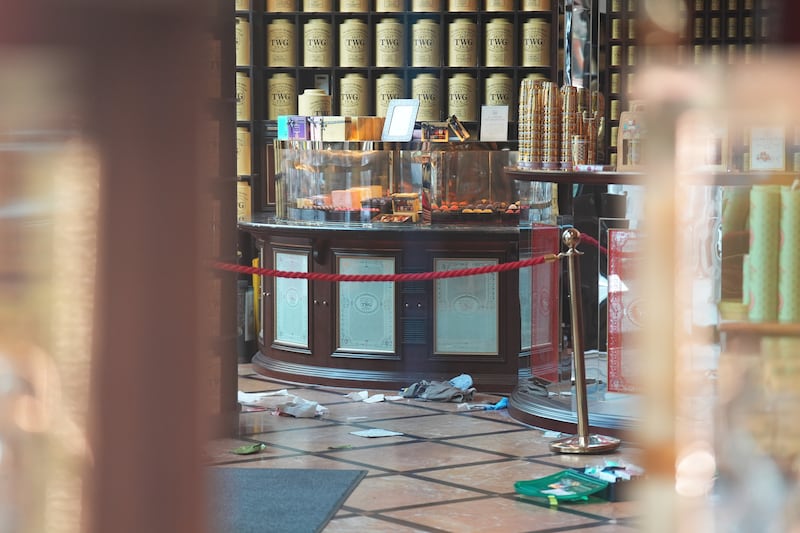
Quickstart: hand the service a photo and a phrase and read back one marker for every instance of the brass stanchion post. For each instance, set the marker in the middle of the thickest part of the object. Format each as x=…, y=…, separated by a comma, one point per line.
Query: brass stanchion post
x=583, y=442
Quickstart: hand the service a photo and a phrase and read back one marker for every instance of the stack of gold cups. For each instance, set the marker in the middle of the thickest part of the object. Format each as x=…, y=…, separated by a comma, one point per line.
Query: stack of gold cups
x=589, y=132
x=558, y=127
x=531, y=122
x=570, y=124
x=525, y=115
x=551, y=130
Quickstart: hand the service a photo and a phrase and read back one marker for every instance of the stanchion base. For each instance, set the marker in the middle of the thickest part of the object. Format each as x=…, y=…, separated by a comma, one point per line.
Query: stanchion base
x=587, y=444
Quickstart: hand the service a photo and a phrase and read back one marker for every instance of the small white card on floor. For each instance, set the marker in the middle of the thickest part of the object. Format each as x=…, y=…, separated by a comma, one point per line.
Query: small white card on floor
x=375, y=433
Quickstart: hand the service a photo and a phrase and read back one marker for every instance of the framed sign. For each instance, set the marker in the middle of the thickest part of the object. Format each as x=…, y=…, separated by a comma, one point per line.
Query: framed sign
x=767, y=148
x=401, y=116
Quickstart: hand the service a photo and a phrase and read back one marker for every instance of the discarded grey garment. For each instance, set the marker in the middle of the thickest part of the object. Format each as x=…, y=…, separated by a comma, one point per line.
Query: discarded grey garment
x=535, y=386
x=463, y=381
x=437, y=391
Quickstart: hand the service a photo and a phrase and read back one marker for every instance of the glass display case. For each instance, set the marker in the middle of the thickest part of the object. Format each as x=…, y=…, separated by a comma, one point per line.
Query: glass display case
x=332, y=182
x=417, y=183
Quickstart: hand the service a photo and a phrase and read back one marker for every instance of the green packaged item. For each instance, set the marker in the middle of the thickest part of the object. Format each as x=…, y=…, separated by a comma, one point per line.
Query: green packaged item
x=564, y=486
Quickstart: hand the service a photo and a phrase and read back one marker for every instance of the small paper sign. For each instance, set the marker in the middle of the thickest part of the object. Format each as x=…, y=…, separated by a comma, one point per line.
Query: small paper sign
x=494, y=123
x=767, y=148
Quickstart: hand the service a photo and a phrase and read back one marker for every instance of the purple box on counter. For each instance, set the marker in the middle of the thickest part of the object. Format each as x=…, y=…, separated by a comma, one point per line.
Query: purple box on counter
x=293, y=127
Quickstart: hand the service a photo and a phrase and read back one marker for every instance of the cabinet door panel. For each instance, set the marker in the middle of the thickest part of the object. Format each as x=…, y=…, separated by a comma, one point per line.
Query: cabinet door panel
x=292, y=296
x=366, y=310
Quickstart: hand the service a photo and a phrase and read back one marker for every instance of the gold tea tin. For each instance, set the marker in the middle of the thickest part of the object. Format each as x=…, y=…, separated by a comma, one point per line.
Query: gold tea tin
x=317, y=6
x=243, y=109
x=462, y=5
x=281, y=40
x=614, y=109
x=243, y=143
x=389, y=43
x=616, y=55
x=425, y=88
x=462, y=39
x=242, y=42
x=535, y=5
x=615, y=81
x=731, y=27
x=281, y=6
x=426, y=6
x=498, y=90
x=314, y=102
x=389, y=6
x=536, y=43
x=353, y=44
x=499, y=34
x=317, y=44
x=353, y=95
x=281, y=95
x=461, y=100
x=425, y=43
x=616, y=31
x=499, y=5
x=354, y=6
x=388, y=87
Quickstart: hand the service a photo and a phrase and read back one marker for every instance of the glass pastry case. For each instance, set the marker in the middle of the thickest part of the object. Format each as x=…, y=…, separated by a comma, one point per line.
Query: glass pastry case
x=417, y=183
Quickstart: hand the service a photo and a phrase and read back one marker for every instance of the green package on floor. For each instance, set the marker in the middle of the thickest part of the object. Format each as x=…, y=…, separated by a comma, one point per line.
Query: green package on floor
x=564, y=486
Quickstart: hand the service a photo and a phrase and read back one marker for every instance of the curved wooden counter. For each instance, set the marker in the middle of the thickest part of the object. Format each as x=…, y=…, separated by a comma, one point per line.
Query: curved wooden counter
x=388, y=335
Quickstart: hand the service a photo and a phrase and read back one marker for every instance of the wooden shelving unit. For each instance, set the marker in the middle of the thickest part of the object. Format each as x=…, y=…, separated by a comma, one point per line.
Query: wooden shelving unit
x=257, y=124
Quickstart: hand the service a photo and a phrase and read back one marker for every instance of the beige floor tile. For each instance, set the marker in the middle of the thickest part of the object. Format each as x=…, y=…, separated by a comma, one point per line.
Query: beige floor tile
x=323, y=438
x=360, y=411
x=367, y=524
x=395, y=491
x=499, y=515
x=444, y=425
x=268, y=422
x=416, y=455
x=498, y=478
x=520, y=443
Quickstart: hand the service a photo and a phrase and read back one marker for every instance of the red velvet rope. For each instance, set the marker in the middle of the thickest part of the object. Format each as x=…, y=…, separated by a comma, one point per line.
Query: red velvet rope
x=593, y=242
x=414, y=276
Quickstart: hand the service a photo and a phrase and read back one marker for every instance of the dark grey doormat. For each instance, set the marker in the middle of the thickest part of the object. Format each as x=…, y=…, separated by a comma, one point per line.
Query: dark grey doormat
x=282, y=500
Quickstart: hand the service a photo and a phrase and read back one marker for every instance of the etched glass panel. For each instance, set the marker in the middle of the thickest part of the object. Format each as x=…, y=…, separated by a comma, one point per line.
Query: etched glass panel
x=466, y=315
x=366, y=309
x=291, y=301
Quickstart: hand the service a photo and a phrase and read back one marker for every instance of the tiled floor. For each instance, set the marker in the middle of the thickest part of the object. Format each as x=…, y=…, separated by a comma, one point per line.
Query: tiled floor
x=450, y=471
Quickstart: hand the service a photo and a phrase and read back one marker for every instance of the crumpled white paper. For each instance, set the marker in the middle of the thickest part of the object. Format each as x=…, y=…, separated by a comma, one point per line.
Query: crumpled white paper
x=363, y=396
x=375, y=398
x=358, y=396
x=283, y=403
x=375, y=432
x=257, y=398
x=301, y=408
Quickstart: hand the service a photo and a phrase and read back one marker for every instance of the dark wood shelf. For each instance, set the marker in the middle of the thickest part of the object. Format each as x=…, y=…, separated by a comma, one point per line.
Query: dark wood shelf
x=762, y=329
x=569, y=176
x=739, y=178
